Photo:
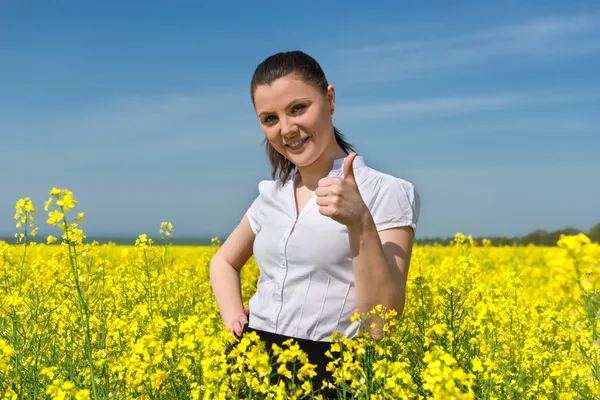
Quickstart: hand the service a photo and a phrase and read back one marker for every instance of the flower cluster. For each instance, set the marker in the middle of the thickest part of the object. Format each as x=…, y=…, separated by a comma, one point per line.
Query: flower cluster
x=24, y=215
x=143, y=241
x=63, y=202
x=443, y=379
x=166, y=229
x=100, y=321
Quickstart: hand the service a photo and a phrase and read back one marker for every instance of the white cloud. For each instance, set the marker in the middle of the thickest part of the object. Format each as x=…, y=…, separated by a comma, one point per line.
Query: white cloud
x=155, y=124
x=561, y=36
x=459, y=105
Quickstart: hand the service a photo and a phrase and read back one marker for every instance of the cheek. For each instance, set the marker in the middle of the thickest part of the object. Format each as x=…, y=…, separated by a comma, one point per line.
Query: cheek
x=308, y=121
x=320, y=120
x=272, y=136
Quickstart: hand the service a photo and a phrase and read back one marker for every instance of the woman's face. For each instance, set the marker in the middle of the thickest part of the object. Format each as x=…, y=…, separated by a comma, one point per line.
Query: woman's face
x=296, y=118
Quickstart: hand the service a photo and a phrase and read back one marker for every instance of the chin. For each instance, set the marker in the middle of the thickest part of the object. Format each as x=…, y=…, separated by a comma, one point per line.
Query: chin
x=301, y=160
x=305, y=156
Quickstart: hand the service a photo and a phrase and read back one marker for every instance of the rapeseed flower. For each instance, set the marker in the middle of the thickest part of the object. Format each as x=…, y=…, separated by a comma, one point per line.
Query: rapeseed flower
x=166, y=228
x=140, y=321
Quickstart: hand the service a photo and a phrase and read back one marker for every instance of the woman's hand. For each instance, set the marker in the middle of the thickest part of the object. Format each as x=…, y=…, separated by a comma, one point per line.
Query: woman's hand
x=339, y=198
x=238, y=324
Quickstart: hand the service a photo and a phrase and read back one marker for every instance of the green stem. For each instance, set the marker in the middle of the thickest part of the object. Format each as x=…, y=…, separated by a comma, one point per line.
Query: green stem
x=23, y=258
x=85, y=312
x=36, y=346
x=17, y=357
x=150, y=300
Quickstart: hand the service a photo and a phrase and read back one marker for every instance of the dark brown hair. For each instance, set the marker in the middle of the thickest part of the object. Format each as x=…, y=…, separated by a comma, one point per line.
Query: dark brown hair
x=306, y=68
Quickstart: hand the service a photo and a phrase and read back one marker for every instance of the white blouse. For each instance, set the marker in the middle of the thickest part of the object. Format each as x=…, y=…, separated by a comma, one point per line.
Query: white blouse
x=306, y=285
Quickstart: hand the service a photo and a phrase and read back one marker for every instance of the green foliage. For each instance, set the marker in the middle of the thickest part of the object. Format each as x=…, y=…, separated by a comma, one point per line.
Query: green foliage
x=538, y=237
x=594, y=233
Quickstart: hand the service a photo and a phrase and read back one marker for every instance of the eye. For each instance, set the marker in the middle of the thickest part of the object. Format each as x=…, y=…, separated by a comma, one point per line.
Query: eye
x=298, y=107
x=269, y=119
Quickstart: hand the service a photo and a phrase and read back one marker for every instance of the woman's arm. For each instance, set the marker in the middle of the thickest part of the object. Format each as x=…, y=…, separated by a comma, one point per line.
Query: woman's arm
x=380, y=261
x=225, y=268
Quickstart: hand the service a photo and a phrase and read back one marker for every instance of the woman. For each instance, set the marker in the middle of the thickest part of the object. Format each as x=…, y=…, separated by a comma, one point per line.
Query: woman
x=331, y=236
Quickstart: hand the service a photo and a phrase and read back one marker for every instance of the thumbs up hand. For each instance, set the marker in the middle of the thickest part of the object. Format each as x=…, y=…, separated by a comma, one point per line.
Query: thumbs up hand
x=339, y=198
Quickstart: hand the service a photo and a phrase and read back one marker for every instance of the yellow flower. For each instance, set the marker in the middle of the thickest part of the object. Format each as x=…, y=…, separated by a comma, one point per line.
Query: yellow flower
x=166, y=228
x=48, y=204
x=54, y=217
x=73, y=235
x=482, y=317
x=25, y=212
x=67, y=202
x=459, y=238
x=83, y=394
x=143, y=241
x=477, y=365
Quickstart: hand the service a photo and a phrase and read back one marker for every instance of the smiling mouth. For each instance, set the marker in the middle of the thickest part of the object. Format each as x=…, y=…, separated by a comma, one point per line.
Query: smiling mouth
x=298, y=144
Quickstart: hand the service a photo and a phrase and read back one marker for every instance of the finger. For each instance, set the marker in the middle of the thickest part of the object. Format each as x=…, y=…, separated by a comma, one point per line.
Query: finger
x=243, y=320
x=322, y=191
x=247, y=310
x=348, y=169
x=326, y=211
x=237, y=328
x=328, y=181
x=322, y=201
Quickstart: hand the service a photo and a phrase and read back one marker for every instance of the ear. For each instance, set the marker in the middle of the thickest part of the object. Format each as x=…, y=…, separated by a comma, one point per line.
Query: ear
x=331, y=98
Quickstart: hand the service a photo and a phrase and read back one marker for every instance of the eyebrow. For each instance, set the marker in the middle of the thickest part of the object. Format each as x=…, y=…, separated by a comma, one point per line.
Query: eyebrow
x=287, y=106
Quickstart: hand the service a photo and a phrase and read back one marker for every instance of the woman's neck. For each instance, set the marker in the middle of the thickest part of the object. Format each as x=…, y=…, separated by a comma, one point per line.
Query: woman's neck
x=311, y=174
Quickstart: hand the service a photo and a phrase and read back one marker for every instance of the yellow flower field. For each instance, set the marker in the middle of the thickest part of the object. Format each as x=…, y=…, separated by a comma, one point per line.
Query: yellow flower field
x=80, y=320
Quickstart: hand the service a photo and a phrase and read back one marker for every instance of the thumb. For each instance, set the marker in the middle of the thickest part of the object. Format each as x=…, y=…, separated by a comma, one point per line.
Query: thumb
x=348, y=169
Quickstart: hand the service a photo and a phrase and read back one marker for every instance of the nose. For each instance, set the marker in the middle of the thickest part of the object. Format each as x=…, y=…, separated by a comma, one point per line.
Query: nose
x=288, y=128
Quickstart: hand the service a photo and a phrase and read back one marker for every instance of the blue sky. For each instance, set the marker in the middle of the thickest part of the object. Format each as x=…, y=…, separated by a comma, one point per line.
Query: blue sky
x=142, y=109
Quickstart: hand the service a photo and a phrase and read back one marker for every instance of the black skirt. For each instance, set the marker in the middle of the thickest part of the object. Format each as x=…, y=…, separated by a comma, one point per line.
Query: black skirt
x=313, y=349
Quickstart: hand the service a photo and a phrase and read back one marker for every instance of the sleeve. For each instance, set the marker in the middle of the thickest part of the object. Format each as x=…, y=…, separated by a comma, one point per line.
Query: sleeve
x=254, y=213
x=396, y=204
